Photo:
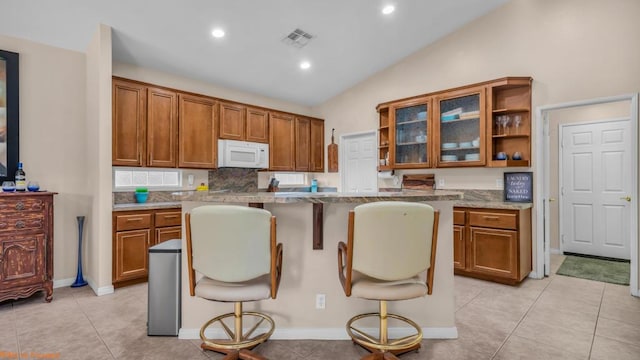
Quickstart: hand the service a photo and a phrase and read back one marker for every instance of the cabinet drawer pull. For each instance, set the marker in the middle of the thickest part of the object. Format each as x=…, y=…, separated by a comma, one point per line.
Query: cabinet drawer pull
x=491, y=218
x=19, y=224
x=134, y=219
x=3, y=225
x=170, y=216
x=20, y=206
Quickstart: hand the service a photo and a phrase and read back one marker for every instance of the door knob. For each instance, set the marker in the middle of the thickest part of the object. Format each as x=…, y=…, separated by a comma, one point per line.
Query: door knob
x=628, y=198
x=552, y=199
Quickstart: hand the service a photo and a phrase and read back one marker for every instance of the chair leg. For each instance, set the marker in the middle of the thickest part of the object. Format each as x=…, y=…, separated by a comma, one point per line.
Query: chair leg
x=249, y=355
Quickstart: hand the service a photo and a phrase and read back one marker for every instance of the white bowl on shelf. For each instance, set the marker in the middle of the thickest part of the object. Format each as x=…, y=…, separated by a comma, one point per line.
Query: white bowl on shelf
x=466, y=145
x=449, y=145
x=449, y=158
x=472, y=157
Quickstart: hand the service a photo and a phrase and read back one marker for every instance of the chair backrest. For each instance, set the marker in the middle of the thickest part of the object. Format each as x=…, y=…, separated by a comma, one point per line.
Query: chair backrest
x=392, y=240
x=231, y=243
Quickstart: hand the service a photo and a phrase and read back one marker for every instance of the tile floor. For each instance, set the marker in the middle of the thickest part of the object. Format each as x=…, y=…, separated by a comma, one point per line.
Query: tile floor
x=555, y=318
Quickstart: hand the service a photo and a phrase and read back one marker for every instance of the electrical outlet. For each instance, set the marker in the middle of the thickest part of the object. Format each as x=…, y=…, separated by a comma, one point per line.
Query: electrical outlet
x=320, y=301
x=440, y=183
x=190, y=179
x=499, y=183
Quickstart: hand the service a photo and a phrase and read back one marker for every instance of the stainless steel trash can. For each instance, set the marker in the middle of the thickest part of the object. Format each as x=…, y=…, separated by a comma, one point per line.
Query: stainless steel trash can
x=163, y=304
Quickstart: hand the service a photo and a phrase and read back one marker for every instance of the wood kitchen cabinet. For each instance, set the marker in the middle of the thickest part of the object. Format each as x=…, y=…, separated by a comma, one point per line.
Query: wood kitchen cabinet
x=509, y=100
x=281, y=142
x=492, y=244
x=243, y=123
x=302, y=143
x=458, y=127
x=144, y=125
x=316, y=147
x=198, y=141
x=26, y=245
x=133, y=233
x=129, y=108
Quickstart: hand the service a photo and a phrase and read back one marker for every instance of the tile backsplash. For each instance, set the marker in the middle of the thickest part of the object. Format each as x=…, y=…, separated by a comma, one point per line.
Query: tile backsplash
x=234, y=179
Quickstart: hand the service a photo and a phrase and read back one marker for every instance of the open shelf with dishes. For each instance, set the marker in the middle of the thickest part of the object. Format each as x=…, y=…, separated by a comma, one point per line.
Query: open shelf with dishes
x=383, y=140
x=510, y=130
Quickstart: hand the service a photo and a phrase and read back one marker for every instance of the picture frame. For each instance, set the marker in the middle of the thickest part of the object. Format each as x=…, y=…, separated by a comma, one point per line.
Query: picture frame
x=518, y=187
x=9, y=114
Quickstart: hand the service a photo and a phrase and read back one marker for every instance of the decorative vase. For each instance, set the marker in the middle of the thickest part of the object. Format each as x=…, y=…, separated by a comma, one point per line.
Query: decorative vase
x=79, y=278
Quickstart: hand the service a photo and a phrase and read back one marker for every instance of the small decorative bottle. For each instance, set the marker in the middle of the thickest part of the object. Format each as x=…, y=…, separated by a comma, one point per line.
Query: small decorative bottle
x=21, y=179
x=314, y=185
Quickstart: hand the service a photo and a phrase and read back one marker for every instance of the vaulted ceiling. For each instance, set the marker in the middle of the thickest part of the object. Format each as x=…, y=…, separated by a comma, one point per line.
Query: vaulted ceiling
x=352, y=39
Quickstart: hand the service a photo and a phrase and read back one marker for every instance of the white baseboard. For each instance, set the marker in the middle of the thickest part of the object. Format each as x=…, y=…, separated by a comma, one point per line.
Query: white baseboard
x=326, y=333
x=555, y=251
x=99, y=291
x=63, y=282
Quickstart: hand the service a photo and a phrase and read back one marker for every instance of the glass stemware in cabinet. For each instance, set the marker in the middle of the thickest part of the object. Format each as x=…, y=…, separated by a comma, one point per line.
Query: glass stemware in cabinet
x=517, y=120
x=505, y=121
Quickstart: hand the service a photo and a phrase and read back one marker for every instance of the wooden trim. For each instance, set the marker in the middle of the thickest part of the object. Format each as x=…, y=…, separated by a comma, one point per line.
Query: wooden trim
x=509, y=80
x=434, y=246
x=190, y=271
x=118, y=78
x=276, y=260
x=347, y=251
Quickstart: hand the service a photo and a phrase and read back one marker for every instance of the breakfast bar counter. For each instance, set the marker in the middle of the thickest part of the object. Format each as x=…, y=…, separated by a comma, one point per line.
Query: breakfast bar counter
x=310, y=271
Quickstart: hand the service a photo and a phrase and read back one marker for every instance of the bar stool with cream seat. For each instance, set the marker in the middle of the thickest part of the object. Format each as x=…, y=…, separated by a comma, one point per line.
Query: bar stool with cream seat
x=390, y=245
x=234, y=248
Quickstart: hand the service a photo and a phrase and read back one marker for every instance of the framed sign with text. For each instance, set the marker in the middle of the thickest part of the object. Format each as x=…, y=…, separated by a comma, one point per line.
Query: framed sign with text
x=518, y=187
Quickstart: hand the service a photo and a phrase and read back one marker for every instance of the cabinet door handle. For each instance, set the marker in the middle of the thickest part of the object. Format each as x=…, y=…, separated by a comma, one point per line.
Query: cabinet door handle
x=19, y=224
x=20, y=206
x=491, y=218
x=3, y=225
x=134, y=219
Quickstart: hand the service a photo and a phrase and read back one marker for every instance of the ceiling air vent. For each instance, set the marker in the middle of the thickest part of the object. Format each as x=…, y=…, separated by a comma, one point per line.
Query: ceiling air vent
x=297, y=38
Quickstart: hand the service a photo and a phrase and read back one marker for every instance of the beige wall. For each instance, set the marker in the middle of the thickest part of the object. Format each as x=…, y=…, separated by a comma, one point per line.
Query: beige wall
x=52, y=138
x=98, y=134
x=573, y=49
x=199, y=87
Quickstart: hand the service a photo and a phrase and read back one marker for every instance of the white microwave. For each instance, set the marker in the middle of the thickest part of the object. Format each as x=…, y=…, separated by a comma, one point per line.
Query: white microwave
x=243, y=154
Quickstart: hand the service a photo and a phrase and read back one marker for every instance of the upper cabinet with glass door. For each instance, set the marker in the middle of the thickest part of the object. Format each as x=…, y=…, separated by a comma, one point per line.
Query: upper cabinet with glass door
x=410, y=132
x=459, y=128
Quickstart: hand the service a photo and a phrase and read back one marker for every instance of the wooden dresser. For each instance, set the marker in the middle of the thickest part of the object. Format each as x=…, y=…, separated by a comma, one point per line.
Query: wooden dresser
x=26, y=244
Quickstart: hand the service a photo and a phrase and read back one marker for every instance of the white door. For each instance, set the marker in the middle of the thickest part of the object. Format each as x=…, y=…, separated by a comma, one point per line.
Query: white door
x=359, y=173
x=596, y=173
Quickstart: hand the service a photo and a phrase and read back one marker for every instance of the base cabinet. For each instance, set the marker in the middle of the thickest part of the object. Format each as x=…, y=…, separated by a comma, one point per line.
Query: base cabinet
x=133, y=233
x=492, y=244
x=26, y=245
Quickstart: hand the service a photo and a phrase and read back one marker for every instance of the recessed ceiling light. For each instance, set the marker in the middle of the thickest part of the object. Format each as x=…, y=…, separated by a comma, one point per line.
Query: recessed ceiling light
x=217, y=33
x=305, y=65
x=388, y=9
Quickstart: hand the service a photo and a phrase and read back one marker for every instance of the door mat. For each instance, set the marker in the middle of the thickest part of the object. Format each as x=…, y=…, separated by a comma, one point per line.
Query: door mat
x=615, y=272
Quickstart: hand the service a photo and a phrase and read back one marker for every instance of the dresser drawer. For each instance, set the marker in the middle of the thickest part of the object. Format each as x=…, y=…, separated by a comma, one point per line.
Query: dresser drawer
x=133, y=222
x=493, y=220
x=20, y=205
x=22, y=221
x=168, y=218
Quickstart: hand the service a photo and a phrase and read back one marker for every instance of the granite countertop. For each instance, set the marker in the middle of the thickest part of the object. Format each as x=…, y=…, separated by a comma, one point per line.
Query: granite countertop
x=147, y=206
x=321, y=197
x=492, y=204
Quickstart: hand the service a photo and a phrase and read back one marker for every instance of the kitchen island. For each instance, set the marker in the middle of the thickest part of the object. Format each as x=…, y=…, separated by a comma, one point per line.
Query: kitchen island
x=308, y=272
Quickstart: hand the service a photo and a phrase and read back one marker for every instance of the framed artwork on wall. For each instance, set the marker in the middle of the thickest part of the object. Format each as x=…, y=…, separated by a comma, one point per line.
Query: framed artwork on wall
x=9, y=114
x=518, y=187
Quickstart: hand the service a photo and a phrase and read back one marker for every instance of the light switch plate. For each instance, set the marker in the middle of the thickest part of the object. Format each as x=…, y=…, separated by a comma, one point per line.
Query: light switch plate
x=190, y=179
x=499, y=183
x=440, y=183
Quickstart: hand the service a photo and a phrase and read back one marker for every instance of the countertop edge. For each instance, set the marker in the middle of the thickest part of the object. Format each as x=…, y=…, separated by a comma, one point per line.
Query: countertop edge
x=147, y=206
